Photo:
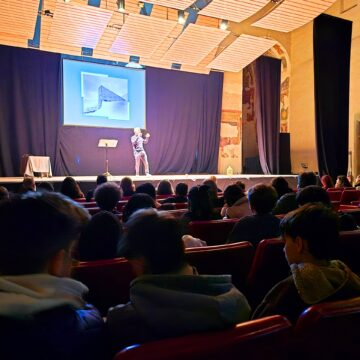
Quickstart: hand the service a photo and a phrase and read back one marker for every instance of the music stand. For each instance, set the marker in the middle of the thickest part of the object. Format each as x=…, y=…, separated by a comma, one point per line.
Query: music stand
x=107, y=143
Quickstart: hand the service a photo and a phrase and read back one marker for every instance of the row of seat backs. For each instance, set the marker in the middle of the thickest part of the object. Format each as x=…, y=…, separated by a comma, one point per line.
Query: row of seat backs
x=345, y=197
x=324, y=331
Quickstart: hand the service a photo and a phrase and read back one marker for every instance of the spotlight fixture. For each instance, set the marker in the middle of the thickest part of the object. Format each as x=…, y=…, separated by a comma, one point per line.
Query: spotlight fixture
x=223, y=24
x=120, y=5
x=181, y=17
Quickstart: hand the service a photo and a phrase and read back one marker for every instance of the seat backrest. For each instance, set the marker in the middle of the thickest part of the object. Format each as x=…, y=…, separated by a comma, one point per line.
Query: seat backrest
x=93, y=210
x=329, y=331
x=349, y=195
x=89, y=204
x=178, y=213
x=234, y=259
x=120, y=205
x=108, y=281
x=354, y=212
x=334, y=195
x=349, y=251
x=214, y=232
x=257, y=339
x=268, y=268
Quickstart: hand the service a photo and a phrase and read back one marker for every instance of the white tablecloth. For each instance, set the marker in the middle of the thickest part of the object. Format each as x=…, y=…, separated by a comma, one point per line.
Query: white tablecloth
x=39, y=164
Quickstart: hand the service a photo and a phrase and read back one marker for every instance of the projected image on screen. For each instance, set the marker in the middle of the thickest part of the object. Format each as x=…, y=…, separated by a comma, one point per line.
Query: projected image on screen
x=104, y=96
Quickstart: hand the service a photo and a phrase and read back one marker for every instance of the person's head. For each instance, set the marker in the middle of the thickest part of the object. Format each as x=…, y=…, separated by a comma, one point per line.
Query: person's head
x=232, y=194
x=153, y=241
x=313, y=194
x=107, y=196
x=357, y=180
x=199, y=201
x=281, y=186
x=165, y=188
x=262, y=198
x=327, y=182
x=50, y=224
x=101, y=179
x=127, y=186
x=4, y=193
x=137, y=131
x=212, y=188
x=213, y=178
x=46, y=186
x=311, y=233
x=342, y=182
x=147, y=188
x=137, y=202
x=305, y=179
x=100, y=237
x=181, y=189
x=71, y=188
x=240, y=184
x=28, y=184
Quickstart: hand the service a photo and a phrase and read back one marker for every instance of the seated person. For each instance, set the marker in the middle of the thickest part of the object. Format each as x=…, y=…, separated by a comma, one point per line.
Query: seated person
x=135, y=203
x=165, y=188
x=169, y=298
x=281, y=186
x=4, y=193
x=311, y=237
x=327, y=182
x=28, y=184
x=218, y=202
x=288, y=201
x=107, y=196
x=181, y=191
x=100, y=238
x=357, y=182
x=148, y=188
x=46, y=186
x=71, y=188
x=262, y=224
x=236, y=203
x=342, y=182
x=43, y=314
x=101, y=179
x=127, y=186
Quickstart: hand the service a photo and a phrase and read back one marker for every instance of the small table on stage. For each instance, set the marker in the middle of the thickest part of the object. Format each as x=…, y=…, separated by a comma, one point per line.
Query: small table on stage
x=38, y=164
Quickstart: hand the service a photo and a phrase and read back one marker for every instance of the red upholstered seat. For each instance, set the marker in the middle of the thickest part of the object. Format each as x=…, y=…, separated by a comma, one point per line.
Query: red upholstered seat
x=107, y=280
x=349, y=195
x=329, y=331
x=258, y=339
x=214, y=232
x=349, y=251
x=178, y=213
x=80, y=200
x=93, y=210
x=234, y=259
x=120, y=205
x=181, y=205
x=268, y=268
x=334, y=195
x=90, y=204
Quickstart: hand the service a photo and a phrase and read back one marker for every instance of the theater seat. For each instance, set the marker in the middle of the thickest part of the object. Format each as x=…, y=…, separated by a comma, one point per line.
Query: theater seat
x=120, y=205
x=93, y=210
x=107, y=280
x=349, y=195
x=234, y=259
x=334, y=195
x=265, y=338
x=214, y=232
x=349, y=251
x=328, y=331
x=268, y=268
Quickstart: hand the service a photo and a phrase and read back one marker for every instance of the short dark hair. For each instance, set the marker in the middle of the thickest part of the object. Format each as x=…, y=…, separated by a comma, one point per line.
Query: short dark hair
x=127, y=186
x=156, y=236
x=262, y=198
x=107, y=196
x=181, y=189
x=147, y=188
x=101, y=179
x=306, y=178
x=71, y=188
x=312, y=194
x=45, y=186
x=199, y=202
x=165, y=188
x=232, y=194
x=318, y=225
x=34, y=228
x=281, y=186
x=137, y=202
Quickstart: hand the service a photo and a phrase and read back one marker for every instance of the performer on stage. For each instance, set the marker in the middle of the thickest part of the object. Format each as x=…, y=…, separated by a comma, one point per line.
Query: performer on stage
x=137, y=142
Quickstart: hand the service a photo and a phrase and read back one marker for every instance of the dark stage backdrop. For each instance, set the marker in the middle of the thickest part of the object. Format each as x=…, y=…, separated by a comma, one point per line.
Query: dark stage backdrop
x=183, y=117
x=332, y=46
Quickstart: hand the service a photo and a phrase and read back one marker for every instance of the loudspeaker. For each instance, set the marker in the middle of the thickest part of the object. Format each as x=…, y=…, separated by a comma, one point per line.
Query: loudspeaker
x=284, y=154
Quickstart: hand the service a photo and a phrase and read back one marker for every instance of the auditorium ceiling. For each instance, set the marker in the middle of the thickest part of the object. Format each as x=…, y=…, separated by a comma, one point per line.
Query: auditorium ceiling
x=188, y=35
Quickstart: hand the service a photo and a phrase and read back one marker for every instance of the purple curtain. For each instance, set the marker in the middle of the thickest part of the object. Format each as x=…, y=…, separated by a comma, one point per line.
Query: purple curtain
x=267, y=109
x=183, y=117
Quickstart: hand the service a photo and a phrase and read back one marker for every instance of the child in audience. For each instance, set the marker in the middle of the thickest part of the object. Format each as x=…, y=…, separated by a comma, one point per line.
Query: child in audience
x=135, y=203
x=165, y=188
x=342, y=182
x=71, y=188
x=28, y=184
x=236, y=203
x=169, y=298
x=107, y=196
x=327, y=182
x=281, y=186
x=127, y=186
x=43, y=314
x=311, y=239
x=181, y=191
x=101, y=179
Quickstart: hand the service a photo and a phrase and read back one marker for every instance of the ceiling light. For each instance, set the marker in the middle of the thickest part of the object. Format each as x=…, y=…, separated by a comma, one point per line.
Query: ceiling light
x=223, y=24
x=181, y=17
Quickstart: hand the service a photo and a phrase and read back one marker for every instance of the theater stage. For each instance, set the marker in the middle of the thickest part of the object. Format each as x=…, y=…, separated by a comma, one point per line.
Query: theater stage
x=88, y=182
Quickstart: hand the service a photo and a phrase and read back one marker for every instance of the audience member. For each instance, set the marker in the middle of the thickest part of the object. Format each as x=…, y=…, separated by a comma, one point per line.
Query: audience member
x=101, y=179
x=342, y=182
x=262, y=224
x=71, y=188
x=100, y=237
x=181, y=191
x=148, y=188
x=169, y=298
x=214, y=179
x=311, y=238
x=217, y=202
x=137, y=202
x=107, y=196
x=43, y=313
x=127, y=186
x=165, y=188
x=4, y=193
x=357, y=181
x=236, y=203
x=241, y=185
x=288, y=201
x=327, y=182
x=28, y=184
x=281, y=186
x=45, y=186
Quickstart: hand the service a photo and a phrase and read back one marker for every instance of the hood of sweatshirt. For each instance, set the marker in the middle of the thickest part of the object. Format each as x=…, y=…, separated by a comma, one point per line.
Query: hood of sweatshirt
x=25, y=295
x=316, y=283
x=178, y=304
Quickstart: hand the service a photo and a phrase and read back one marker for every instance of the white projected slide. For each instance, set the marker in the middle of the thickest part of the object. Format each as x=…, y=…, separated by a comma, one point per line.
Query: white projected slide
x=103, y=95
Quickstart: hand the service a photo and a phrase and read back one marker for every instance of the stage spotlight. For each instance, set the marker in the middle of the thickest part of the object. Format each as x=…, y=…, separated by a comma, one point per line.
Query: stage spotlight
x=224, y=24
x=121, y=5
x=181, y=17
